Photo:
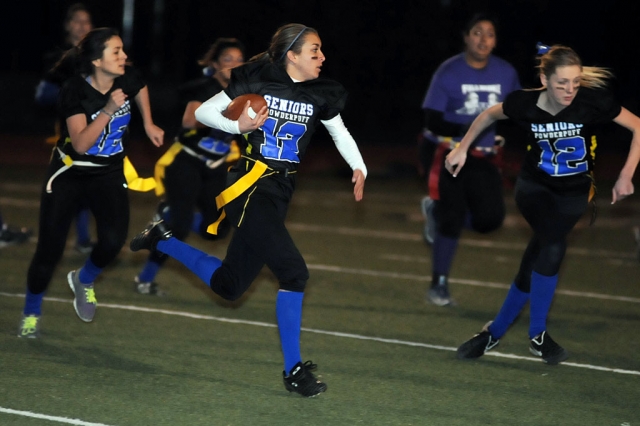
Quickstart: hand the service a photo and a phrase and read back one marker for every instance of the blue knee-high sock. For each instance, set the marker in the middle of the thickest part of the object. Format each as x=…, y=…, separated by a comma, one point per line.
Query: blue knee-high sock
x=149, y=272
x=511, y=307
x=196, y=222
x=32, y=303
x=198, y=262
x=542, y=290
x=82, y=226
x=289, y=314
x=89, y=273
x=444, y=250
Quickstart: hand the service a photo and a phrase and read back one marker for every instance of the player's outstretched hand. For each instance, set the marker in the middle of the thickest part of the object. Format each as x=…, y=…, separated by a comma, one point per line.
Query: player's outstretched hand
x=155, y=133
x=358, y=181
x=622, y=189
x=455, y=160
x=247, y=124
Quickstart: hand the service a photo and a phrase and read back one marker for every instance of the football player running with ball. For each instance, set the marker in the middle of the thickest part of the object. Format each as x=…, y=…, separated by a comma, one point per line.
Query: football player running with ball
x=261, y=184
x=553, y=188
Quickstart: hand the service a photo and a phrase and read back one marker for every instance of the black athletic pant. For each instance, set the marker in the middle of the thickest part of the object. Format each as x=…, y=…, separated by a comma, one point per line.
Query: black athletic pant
x=476, y=190
x=260, y=238
x=551, y=216
x=106, y=195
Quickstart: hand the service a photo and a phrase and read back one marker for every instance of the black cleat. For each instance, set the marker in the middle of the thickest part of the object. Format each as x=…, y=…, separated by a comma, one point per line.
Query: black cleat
x=10, y=236
x=551, y=353
x=162, y=211
x=302, y=381
x=478, y=345
x=151, y=288
x=148, y=239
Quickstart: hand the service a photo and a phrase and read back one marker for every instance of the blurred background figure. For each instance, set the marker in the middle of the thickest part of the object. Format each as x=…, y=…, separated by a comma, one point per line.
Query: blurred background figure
x=461, y=88
x=77, y=24
x=193, y=171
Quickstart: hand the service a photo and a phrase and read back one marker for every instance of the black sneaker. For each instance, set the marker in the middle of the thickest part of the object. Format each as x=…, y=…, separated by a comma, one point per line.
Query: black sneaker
x=162, y=211
x=151, y=288
x=478, y=345
x=302, y=381
x=148, y=239
x=551, y=353
x=10, y=236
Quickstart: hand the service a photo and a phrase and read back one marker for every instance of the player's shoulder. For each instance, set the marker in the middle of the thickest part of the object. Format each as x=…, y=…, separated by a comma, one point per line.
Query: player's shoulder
x=252, y=71
x=500, y=62
x=452, y=63
x=601, y=102
x=520, y=103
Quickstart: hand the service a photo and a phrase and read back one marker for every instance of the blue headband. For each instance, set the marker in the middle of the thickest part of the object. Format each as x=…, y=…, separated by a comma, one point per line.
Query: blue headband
x=542, y=48
x=292, y=43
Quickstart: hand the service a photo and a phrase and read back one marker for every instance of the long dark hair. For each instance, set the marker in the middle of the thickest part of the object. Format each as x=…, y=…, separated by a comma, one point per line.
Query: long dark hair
x=287, y=37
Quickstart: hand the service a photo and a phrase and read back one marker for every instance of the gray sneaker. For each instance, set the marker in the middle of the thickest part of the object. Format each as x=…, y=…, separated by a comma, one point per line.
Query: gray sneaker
x=429, y=229
x=29, y=326
x=438, y=294
x=85, y=301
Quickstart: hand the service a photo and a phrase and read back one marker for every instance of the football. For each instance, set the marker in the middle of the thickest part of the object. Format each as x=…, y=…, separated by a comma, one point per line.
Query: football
x=234, y=109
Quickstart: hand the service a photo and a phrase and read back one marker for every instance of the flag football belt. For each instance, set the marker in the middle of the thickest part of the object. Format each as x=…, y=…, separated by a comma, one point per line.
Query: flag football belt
x=168, y=157
x=239, y=187
x=134, y=182
x=482, y=150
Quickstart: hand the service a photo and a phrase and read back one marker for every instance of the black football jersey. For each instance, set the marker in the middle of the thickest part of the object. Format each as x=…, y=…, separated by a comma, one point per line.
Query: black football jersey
x=212, y=143
x=294, y=111
x=79, y=97
x=561, y=148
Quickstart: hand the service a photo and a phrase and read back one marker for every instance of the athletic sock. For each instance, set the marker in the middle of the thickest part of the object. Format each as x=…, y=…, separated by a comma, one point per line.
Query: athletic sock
x=149, y=272
x=82, y=227
x=197, y=261
x=88, y=273
x=444, y=250
x=542, y=291
x=33, y=303
x=511, y=307
x=196, y=223
x=289, y=314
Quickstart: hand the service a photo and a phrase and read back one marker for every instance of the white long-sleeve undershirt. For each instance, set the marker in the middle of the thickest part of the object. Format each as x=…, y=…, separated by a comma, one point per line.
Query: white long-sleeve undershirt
x=210, y=114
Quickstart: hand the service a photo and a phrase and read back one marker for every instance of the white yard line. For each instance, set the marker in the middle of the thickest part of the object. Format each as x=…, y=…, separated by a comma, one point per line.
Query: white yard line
x=64, y=420
x=326, y=332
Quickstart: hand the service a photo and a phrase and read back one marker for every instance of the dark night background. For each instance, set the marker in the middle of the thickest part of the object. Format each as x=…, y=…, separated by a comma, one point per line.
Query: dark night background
x=383, y=52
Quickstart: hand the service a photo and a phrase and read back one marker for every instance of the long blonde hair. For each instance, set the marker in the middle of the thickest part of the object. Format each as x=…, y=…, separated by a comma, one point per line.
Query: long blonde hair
x=561, y=56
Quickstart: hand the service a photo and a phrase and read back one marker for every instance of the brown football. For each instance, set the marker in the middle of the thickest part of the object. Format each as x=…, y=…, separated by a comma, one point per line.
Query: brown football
x=234, y=109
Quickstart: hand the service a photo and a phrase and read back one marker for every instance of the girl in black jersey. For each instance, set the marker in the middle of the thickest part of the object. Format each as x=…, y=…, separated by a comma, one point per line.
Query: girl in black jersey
x=552, y=191
x=87, y=166
x=260, y=186
x=193, y=171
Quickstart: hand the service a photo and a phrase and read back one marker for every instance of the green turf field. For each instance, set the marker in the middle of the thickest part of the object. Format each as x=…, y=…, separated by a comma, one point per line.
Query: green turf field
x=387, y=356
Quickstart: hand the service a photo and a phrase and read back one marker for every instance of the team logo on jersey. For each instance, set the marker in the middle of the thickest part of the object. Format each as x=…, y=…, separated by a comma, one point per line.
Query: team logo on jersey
x=110, y=140
x=555, y=130
x=289, y=110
